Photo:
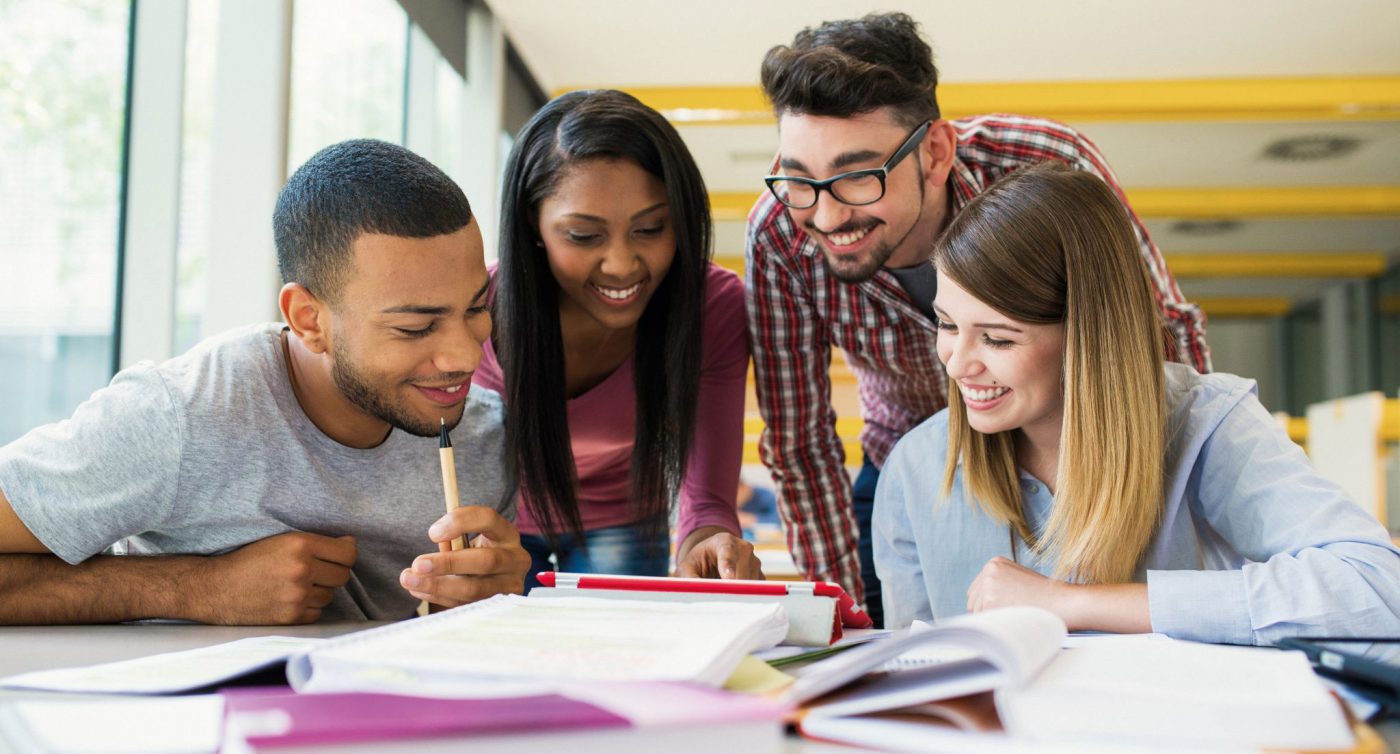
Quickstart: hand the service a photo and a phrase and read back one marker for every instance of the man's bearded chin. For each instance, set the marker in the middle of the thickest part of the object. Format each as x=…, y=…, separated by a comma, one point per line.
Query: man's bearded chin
x=360, y=391
x=859, y=270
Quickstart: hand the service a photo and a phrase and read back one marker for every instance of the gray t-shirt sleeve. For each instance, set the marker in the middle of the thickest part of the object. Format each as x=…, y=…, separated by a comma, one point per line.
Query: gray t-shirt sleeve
x=483, y=482
x=109, y=472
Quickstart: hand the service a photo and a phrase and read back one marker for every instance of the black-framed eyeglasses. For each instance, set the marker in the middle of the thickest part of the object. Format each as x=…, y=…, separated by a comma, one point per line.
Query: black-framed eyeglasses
x=856, y=188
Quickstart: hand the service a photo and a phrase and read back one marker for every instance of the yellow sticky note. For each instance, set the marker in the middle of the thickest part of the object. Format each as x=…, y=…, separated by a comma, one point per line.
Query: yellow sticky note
x=754, y=676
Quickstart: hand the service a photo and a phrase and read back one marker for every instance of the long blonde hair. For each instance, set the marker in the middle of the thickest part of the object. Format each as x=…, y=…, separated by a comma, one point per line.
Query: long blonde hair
x=1048, y=245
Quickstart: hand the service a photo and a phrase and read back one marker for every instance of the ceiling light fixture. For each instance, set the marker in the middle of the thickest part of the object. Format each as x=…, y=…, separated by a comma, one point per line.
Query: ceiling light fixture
x=1204, y=227
x=1309, y=148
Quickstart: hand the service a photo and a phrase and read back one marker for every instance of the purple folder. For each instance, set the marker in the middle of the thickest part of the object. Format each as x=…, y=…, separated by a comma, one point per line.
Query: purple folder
x=338, y=718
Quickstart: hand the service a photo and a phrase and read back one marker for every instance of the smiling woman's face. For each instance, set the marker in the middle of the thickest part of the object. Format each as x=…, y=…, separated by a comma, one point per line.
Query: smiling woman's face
x=608, y=235
x=1008, y=372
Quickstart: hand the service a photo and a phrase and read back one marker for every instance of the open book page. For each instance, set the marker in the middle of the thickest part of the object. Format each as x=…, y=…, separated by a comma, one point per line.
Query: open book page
x=157, y=725
x=513, y=641
x=962, y=725
x=1177, y=693
x=928, y=654
x=912, y=732
x=171, y=672
x=994, y=648
x=1083, y=638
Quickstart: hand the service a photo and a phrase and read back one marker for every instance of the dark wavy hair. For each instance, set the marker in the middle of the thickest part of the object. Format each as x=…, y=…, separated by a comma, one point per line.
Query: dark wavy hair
x=354, y=187
x=572, y=129
x=842, y=68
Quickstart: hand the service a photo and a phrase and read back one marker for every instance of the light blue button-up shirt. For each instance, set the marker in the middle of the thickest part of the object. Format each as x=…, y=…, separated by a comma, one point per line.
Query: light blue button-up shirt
x=1253, y=545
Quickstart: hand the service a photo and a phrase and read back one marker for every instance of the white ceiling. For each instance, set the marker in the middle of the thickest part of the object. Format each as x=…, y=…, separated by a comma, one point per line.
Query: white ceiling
x=575, y=43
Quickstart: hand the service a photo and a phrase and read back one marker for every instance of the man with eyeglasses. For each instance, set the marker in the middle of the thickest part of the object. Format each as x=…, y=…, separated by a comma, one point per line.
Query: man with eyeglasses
x=868, y=175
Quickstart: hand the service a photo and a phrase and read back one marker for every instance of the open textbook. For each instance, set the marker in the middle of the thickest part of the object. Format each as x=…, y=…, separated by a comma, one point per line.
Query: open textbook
x=505, y=645
x=1124, y=694
x=171, y=672
x=515, y=640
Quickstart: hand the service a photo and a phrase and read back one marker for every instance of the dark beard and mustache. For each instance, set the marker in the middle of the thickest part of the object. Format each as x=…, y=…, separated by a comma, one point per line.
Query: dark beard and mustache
x=857, y=270
x=361, y=392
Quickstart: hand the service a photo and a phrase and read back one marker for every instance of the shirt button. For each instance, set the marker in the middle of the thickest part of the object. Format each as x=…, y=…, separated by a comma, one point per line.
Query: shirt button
x=1032, y=487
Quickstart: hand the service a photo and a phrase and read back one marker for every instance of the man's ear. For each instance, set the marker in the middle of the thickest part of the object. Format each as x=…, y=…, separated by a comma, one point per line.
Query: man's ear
x=939, y=149
x=307, y=316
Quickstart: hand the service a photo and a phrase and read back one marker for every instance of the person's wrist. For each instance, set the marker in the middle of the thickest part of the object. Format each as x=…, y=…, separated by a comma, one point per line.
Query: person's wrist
x=693, y=538
x=1075, y=604
x=180, y=588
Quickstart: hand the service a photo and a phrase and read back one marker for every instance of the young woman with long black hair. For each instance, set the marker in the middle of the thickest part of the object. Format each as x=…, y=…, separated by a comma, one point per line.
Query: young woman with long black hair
x=621, y=351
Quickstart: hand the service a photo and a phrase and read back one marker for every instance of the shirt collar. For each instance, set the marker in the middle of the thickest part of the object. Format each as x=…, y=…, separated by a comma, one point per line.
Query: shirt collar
x=963, y=183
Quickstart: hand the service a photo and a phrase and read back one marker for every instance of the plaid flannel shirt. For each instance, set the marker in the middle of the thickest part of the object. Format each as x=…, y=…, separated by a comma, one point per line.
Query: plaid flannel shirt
x=798, y=310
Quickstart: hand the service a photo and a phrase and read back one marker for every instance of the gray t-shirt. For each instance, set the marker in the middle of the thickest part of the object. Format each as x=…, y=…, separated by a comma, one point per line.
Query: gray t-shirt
x=210, y=451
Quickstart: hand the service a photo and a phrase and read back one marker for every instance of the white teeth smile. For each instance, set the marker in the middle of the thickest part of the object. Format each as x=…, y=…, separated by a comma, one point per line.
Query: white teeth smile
x=617, y=294
x=984, y=395
x=452, y=389
x=846, y=239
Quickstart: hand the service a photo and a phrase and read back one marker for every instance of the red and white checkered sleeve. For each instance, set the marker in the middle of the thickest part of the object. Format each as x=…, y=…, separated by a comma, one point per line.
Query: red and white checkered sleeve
x=792, y=357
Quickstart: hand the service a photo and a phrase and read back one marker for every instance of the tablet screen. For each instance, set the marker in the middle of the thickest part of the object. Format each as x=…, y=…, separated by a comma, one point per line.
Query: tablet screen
x=1370, y=667
x=1385, y=652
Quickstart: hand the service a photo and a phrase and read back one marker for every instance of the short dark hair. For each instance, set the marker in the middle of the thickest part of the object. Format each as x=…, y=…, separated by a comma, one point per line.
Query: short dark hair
x=842, y=68
x=572, y=129
x=354, y=187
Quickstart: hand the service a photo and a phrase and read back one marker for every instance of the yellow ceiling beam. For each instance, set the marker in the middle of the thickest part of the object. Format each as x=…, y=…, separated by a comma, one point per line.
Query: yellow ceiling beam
x=1244, y=306
x=733, y=205
x=729, y=261
x=1239, y=99
x=1278, y=265
x=1354, y=98
x=1266, y=201
x=1202, y=202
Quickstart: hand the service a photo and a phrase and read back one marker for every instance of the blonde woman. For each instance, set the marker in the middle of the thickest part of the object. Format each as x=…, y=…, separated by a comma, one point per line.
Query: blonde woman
x=1075, y=471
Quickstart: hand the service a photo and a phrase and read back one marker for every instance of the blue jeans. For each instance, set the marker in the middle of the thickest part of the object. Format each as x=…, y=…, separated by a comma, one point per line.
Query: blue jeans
x=863, y=498
x=623, y=549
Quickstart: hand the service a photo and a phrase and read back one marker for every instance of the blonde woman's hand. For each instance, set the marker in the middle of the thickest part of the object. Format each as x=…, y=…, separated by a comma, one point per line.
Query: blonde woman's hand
x=1120, y=608
x=1002, y=583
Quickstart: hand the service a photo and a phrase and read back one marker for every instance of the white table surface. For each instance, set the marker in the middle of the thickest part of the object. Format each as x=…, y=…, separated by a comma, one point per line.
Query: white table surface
x=28, y=648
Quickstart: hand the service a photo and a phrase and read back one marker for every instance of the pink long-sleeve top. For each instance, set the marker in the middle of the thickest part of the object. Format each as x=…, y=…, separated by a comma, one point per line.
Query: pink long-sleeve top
x=602, y=425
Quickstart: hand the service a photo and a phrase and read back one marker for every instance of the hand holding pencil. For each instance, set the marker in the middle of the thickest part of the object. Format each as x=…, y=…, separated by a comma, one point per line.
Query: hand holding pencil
x=468, y=566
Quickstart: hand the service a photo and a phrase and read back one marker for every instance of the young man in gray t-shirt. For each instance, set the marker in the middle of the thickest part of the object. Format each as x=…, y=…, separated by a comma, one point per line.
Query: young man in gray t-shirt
x=285, y=473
